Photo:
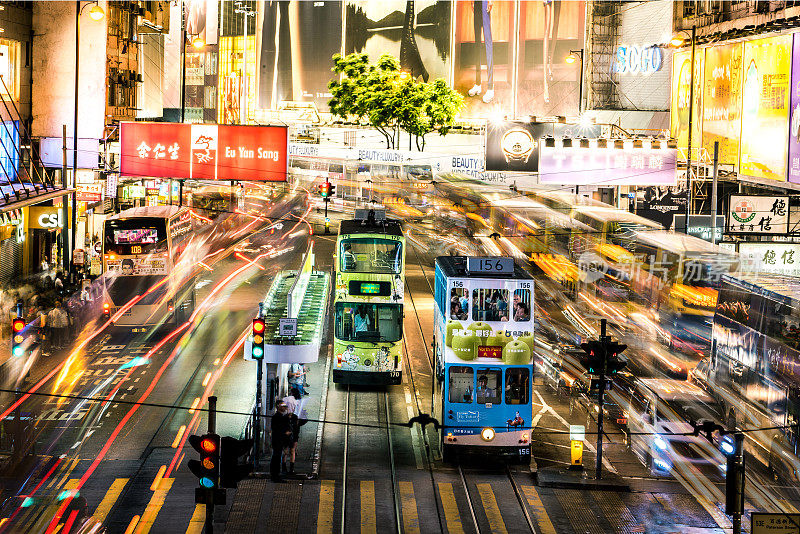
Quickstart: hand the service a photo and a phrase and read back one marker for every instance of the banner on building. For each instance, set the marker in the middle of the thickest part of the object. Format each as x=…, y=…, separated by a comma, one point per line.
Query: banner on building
x=722, y=101
x=608, y=166
x=777, y=258
x=758, y=214
x=681, y=92
x=203, y=151
x=794, y=114
x=765, y=107
x=661, y=203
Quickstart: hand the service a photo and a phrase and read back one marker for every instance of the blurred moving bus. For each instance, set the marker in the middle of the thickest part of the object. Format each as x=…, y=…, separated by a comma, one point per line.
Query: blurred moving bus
x=144, y=263
x=754, y=363
x=368, y=300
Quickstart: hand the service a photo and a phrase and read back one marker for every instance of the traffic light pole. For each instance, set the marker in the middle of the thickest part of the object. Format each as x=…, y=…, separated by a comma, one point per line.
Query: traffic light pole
x=600, y=394
x=257, y=422
x=327, y=230
x=739, y=486
x=212, y=429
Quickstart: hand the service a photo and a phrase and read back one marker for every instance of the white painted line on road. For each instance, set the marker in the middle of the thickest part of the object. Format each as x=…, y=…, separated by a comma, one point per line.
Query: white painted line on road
x=323, y=404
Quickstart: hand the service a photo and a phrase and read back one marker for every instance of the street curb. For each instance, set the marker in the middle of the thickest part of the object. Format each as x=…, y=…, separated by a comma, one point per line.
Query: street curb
x=563, y=479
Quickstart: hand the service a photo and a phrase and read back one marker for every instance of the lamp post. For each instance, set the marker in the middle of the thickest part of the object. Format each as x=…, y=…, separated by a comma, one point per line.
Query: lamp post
x=678, y=41
x=571, y=58
x=247, y=12
x=96, y=13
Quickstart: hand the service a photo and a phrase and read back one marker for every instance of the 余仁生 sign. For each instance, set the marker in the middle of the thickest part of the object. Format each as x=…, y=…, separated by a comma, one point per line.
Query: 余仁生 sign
x=758, y=214
x=204, y=151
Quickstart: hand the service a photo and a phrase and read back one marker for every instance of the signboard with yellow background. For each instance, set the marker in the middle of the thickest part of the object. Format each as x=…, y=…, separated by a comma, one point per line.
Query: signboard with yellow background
x=722, y=101
x=765, y=107
x=681, y=80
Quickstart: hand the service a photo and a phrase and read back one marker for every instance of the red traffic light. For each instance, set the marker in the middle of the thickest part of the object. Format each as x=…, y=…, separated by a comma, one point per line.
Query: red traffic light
x=17, y=325
x=208, y=445
x=258, y=326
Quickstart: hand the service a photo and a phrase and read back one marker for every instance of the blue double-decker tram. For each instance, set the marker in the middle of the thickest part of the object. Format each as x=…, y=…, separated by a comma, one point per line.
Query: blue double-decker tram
x=484, y=356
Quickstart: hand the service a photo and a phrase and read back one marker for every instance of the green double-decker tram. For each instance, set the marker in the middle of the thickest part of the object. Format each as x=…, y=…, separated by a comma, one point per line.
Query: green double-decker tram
x=368, y=300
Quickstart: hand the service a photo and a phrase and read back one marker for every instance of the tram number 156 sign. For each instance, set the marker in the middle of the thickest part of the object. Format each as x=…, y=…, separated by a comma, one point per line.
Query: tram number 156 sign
x=499, y=265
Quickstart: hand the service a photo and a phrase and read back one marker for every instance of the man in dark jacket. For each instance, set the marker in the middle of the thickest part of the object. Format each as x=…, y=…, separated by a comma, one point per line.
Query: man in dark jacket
x=281, y=429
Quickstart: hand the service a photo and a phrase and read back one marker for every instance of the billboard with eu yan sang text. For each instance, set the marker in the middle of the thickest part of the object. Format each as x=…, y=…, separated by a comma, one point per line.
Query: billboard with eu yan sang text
x=204, y=151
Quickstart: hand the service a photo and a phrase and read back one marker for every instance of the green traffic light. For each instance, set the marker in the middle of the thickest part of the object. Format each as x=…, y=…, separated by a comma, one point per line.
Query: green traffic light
x=18, y=351
x=258, y=352
x=206, y=482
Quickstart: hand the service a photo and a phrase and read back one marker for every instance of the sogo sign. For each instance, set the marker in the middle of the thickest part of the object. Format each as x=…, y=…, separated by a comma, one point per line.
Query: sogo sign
x=204, y=151
x=638, y=60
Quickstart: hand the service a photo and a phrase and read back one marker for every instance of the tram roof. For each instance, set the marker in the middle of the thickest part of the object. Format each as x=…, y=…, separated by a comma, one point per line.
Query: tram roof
x=456, y=267
x=387, y=227
x=679, y=243
x=160, y=212
x=777, y=284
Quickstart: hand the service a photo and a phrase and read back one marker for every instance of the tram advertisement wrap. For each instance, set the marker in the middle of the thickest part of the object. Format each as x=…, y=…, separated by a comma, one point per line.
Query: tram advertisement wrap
x=137, y=266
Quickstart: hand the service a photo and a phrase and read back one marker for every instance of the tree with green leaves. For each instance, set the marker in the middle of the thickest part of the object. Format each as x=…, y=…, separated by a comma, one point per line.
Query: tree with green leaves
x=390, y=100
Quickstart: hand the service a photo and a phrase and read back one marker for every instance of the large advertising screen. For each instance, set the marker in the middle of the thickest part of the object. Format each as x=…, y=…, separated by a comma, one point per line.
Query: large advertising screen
x=546, y=84
x=203, y=151
x=418, y=33
x=298, y=39
x=681, y=92
x=765, y=107
x=722, y=101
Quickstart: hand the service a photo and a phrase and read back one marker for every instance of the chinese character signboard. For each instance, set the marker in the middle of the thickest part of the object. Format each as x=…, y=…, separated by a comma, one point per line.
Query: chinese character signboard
x=763, y=523
x=765, y=107
x=778, y=258
x=203, y=151
x=649, y=165
x=722, y=101
x=758, y=215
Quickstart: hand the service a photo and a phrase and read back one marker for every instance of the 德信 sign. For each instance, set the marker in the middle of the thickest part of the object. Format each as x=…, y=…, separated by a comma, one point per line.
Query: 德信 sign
x=204, y=151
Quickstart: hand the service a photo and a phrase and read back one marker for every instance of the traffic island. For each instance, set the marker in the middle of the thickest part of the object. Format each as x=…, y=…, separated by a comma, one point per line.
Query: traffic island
x=566, y=478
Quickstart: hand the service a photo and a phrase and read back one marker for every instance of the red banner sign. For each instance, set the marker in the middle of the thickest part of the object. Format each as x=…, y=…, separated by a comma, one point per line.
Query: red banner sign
x=490, y=352
x=204, y=151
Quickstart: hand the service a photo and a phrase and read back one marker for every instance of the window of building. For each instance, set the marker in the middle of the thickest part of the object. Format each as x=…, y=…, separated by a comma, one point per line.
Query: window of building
x=9, y=68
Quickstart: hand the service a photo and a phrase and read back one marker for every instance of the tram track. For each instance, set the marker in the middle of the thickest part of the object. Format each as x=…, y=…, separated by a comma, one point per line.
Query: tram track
x=382, y=403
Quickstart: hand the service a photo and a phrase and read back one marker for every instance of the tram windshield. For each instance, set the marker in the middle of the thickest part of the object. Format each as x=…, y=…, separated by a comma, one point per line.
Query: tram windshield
x=370, y=255
x=489, y=385
x=368, y=322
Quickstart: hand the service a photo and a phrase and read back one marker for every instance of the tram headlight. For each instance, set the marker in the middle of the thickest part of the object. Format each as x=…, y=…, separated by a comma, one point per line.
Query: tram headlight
x=487, y=434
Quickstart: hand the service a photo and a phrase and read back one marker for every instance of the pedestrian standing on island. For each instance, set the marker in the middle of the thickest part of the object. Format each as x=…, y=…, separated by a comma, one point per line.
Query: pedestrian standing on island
x=297, y=377
x=297, y=418
x=58, y=322
x=281, y=429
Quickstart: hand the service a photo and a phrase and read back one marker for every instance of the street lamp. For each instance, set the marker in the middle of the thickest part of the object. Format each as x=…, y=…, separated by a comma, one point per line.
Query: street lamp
x=573, y=56
x=198, y=42
x=677, y=41
x=96, y=13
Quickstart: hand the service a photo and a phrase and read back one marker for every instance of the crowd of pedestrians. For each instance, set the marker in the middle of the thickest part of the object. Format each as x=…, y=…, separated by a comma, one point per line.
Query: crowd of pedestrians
x=56, y=306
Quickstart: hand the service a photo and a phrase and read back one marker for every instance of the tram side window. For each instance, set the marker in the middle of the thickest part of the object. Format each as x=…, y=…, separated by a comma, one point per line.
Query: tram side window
x=461, y=385
x=489, y=384
x=522, y=305
x=490, y=304
x=459, y=304
x=517, y=386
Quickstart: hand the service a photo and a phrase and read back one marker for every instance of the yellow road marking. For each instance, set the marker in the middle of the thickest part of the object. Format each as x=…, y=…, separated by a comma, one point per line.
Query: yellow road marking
x=154, y=506
x=496, y=523
x=132, y=524
x=368, y=521
x=197, y=522
x=409, y=506
x=178, y=437
x=109, y=499
x=539, y=513
x=327, y=491
x=450, y=507
x=159, y=476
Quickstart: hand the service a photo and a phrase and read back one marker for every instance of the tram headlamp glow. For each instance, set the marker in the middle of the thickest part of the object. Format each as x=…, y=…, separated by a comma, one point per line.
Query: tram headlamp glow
x=487, y=434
